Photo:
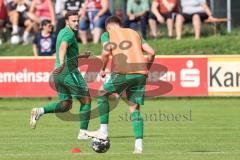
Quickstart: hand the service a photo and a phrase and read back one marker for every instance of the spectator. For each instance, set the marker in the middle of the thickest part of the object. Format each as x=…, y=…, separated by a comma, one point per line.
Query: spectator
x=94, y=14
x=195, y=11
x=45, y=41
x=18, y=17
x=59, y=6
x=137, y=11
x=40, y=10
x=163, y=11
x=66, y=5
x=3, y=18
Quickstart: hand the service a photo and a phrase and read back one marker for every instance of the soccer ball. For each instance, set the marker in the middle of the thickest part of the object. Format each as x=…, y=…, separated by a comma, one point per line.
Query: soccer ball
x=15, y=39
x=100, y=146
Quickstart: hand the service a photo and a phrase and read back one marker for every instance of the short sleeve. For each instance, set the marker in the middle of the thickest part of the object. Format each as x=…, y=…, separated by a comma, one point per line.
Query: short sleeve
x=105, y=37
x=68, y=37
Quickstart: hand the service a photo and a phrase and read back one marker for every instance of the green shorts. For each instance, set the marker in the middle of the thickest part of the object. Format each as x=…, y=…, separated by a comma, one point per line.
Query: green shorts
x=70, y=85
x=133, y=84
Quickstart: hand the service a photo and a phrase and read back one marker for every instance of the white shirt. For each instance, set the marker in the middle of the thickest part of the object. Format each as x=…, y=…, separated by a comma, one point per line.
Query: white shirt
x=192, y=6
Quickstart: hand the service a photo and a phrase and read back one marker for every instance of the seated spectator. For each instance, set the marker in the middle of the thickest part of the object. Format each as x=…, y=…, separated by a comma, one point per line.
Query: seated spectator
x=93, y=16
x=40, y=10
x=66, y=5
x=45, y=41
x=18, y=17
x=163, y=11
x=195, y=12
x=3, y=18
x=137, y=12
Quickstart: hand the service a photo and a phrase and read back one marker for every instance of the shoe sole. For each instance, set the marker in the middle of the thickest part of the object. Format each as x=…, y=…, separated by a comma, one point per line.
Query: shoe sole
x=95, y=136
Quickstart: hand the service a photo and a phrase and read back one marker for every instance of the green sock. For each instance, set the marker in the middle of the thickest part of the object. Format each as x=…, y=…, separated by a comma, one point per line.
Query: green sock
x=84, y=115
x=103, y=107
x=54, y=108
x=137, y=122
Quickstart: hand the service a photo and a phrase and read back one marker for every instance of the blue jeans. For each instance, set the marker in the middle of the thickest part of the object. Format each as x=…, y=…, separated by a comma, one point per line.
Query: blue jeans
x=135, y=26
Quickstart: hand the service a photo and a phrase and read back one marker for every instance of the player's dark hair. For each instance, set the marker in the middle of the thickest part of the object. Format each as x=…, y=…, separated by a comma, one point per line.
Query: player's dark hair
x=113, y=19
x=70, y=13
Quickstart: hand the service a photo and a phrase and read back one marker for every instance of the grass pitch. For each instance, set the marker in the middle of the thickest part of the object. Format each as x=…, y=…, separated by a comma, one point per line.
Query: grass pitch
x=175, y=129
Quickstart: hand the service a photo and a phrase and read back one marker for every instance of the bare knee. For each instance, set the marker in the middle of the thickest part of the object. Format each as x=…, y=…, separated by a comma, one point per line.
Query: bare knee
x=179, y=19
x=196, y=19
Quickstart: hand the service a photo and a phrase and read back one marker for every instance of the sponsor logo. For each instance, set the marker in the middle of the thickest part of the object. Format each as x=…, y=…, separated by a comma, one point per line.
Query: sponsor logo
x=190, y=76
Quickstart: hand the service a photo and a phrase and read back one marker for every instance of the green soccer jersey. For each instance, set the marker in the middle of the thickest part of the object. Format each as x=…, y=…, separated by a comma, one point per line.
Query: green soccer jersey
x=71, y=60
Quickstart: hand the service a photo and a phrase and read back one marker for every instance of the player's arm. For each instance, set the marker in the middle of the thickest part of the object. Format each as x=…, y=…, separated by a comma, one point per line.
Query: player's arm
x=106, y=52
x=150, y=54
x=62, y=53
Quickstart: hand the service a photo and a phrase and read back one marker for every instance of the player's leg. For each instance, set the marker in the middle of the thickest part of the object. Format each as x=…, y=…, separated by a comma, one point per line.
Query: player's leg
x=79, y=90
x=137, y=122
x=135, y=96
x=84, y=116
x=111, y=89
x=56, y=107
x=64, y=104
x=115, y=85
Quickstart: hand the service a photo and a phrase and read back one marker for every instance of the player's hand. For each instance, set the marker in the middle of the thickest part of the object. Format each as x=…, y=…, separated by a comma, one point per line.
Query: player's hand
x=58, y=70
x=102, y=73
x=86, y=54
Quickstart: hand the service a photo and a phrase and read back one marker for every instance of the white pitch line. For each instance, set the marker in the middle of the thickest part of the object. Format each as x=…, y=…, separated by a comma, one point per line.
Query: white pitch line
x=112, y=153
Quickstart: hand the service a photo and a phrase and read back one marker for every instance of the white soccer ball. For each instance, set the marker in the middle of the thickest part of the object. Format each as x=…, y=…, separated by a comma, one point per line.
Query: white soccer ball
x=15, y=39
x=100, y=146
